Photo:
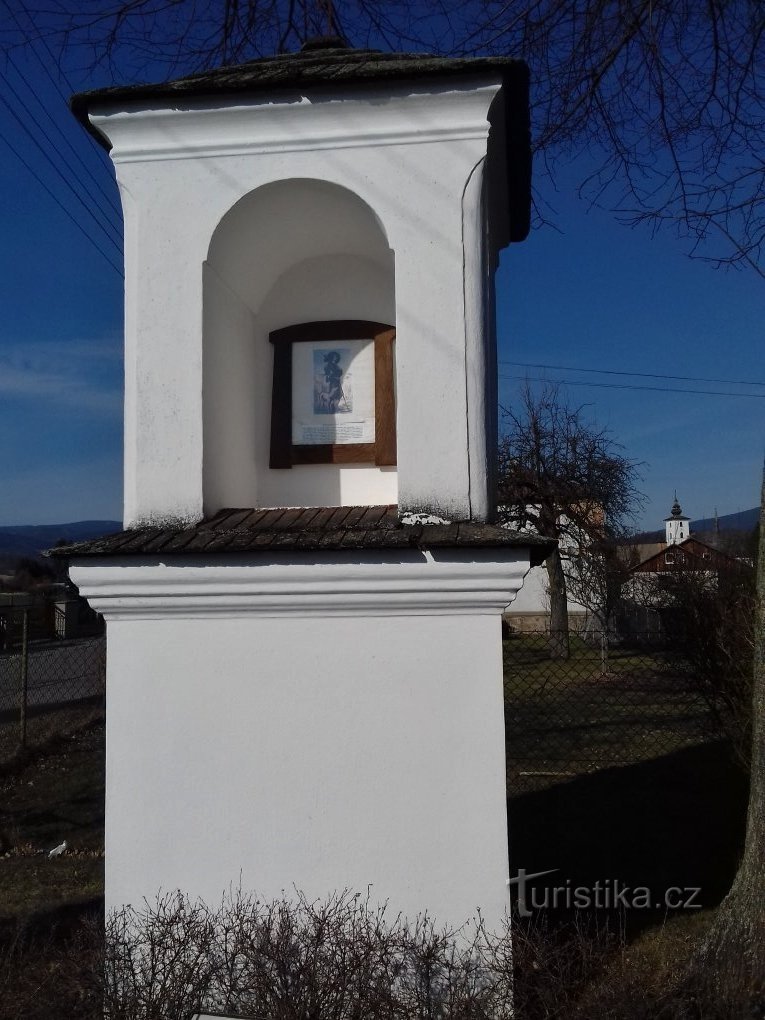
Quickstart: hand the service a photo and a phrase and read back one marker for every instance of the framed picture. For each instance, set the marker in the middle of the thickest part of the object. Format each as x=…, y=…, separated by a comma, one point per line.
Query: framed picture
x=333, y=399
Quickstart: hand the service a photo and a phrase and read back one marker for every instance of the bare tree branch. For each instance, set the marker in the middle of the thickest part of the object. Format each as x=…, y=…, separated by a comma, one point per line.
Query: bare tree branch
x=567, y=478
x=664, y=96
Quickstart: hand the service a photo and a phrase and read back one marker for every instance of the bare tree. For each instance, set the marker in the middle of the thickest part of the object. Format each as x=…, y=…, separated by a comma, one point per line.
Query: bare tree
x=595, y=575
x=664, y=97
x=568, y=479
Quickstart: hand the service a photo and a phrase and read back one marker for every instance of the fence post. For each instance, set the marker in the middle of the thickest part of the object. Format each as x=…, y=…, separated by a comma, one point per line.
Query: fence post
x=24, y=680
x=604, y=648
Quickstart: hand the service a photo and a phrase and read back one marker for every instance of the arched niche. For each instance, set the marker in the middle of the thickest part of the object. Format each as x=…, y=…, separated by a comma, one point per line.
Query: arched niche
x=291, y=251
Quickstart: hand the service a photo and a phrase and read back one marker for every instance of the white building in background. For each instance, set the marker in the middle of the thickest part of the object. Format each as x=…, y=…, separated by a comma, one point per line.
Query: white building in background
x=304, y=680
x=677, y=526
x=530, y=609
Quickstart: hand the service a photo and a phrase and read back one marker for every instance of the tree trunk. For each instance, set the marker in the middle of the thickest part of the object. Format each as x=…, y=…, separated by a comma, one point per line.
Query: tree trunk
x=730, y=965
x=558, y=606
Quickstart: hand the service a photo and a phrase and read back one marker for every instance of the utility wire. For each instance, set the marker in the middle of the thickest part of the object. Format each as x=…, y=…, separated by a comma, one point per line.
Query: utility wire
x=635, y=386
x=61, y=205
x=109, y=198
x=643, y=375
x=30, y=39
x=106, y=225
x=88, y=209
x=103, y=160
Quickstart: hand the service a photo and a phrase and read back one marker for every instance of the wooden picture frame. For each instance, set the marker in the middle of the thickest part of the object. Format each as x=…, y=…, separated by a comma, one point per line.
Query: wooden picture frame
x=338, y=343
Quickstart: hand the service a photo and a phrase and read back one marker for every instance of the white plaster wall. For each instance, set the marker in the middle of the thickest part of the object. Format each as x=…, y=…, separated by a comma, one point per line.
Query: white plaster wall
x=319, y=754
x=284, y=222
x=676, y=531
x=331, y=287
x=318, y=725
x=290, y=252
x=408, y=157
x=534, y=596
x=232, y=373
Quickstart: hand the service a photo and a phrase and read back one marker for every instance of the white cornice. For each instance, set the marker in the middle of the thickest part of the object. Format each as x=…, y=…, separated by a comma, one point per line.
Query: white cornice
x=451, y=582
x=228, y=127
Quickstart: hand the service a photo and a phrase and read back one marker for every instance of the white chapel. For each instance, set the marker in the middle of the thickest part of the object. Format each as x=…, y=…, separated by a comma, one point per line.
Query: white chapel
x=304, y=672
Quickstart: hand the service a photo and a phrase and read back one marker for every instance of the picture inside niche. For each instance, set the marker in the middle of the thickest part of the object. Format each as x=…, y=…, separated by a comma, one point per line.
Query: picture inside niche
x=333, y=396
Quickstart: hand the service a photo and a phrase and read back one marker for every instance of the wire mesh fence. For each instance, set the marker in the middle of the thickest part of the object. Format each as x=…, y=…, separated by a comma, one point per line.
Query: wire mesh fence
x=48, y=687
x=605, y=705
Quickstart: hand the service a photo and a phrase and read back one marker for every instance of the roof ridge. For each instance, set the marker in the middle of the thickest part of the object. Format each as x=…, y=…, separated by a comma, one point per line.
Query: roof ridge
x=313, y=67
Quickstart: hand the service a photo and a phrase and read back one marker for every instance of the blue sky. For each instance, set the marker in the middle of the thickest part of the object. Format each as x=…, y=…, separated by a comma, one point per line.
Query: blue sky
x=600, y=295
x=594, y=294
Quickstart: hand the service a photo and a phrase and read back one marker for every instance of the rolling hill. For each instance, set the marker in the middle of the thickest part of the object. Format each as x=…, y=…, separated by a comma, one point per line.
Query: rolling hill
x=31, y=540
x=743, y=521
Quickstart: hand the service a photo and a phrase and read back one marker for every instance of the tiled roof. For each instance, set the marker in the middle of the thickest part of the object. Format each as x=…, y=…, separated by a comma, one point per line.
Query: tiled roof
x=304, y=529
x=330, y=63
x=322, y=65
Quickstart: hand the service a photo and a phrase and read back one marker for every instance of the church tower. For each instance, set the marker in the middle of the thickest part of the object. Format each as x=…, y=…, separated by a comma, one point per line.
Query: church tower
x=677, y=525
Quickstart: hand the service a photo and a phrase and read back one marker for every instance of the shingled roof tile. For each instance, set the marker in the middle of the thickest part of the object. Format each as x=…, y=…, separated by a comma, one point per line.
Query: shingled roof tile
x=309, y=529
x=322, y=66
x=329, y=67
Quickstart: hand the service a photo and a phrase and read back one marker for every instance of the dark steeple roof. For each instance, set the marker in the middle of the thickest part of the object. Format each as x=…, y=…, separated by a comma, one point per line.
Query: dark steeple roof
x=676, y=513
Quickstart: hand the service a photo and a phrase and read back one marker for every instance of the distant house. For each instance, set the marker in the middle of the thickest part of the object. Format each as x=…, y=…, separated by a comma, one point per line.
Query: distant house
x=648, y=593
x=530, y=609
x=52, y=611
x=643, y=562
x=690, y=554
x=682, y=551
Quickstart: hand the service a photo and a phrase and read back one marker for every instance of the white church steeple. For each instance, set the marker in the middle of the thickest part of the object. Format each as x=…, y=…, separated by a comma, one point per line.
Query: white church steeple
x=677, y=526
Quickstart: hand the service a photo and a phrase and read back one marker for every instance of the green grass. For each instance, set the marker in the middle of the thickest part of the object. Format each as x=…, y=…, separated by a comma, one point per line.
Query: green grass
x=670, y=815
x=57, y=795
x=37, y=886
x=48, y=724
x=563, y=720
x=568, y=717
x=529, y=654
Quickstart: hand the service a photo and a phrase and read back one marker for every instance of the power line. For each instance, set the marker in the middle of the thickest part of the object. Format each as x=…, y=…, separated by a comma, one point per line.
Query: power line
x=635, y=386
x=107, y=225
x=36, y=34
x=109, y=198
x=103, y=160
x=643, y=375
x=61, y=205
x=88, y=209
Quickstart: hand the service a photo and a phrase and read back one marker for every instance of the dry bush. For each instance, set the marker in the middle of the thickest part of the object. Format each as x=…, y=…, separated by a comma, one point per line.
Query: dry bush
x=341, y=959
x=555, y=966
x=713, y=626
x=587, y=972
x=338, y=959
x=708, y=619
x=44, y=976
